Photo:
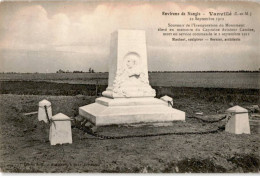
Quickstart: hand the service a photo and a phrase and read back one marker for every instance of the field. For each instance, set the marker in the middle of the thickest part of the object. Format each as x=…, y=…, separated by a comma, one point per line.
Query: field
x=25, y=147
x=205, y=80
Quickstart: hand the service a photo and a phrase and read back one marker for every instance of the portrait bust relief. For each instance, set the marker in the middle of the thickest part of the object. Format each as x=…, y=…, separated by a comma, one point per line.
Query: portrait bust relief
x=131, y=80
x=132, y=65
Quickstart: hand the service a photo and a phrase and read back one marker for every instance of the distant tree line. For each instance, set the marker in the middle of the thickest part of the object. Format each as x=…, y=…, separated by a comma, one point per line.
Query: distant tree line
x=90, y=70
x=210, y=71
x=18, y=73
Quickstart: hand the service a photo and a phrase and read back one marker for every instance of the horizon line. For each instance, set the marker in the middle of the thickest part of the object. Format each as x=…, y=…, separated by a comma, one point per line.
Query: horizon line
x=155, y=71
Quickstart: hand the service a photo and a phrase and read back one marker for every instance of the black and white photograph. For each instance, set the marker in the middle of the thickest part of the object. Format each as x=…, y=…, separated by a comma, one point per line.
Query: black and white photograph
x=129, y=87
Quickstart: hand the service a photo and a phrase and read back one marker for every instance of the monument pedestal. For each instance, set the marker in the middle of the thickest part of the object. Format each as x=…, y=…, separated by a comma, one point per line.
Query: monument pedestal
x=107, y=111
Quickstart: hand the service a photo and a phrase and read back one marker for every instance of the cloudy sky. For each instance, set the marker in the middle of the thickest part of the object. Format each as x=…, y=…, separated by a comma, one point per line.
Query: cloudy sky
x=47, y=36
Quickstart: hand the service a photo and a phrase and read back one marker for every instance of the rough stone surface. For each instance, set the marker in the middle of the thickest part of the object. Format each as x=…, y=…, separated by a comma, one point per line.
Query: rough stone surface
x=41, y=111
x=60, y=130
x=238, y=123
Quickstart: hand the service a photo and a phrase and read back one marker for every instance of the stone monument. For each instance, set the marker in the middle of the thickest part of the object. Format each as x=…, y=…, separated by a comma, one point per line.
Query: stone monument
x=129, y=98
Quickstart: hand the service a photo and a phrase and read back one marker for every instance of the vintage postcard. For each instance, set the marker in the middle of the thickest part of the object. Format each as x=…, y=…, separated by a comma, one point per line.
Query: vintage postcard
x=129, y=86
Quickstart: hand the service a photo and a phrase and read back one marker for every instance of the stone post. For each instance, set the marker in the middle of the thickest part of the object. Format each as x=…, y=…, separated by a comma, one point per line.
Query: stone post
x=239, y=121
x=41, y=111
x=60, y=130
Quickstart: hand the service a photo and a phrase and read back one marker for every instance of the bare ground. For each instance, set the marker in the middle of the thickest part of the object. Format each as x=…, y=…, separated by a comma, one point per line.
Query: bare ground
x=24, y=145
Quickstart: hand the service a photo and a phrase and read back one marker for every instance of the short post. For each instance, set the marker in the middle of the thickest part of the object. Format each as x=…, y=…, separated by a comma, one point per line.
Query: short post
x=168, y=100
x=239, y=121
x=60, y=130
x=43, y=106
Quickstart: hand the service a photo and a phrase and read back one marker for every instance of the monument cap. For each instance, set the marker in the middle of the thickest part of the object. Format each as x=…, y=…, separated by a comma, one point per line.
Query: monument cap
x=60, y=116
x=44, y=103
x=237, y=109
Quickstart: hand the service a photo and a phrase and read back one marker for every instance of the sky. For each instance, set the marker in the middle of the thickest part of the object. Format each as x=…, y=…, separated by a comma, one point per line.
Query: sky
x=47, y=36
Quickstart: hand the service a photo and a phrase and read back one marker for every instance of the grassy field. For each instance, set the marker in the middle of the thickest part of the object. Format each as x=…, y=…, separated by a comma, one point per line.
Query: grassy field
x=211, y=94
x=25, y=146
x=174, y=79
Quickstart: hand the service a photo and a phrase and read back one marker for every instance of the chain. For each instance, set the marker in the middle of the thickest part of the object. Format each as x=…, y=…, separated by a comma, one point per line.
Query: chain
x=104, y=137
x=170, y=104
x=49, y=119
x=219, y=129
x=208, y=121
x=47, y=115
x=228, y=115
x=45, y=106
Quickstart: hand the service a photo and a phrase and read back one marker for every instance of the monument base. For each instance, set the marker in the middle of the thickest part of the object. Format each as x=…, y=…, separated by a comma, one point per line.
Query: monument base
x=107, y=111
